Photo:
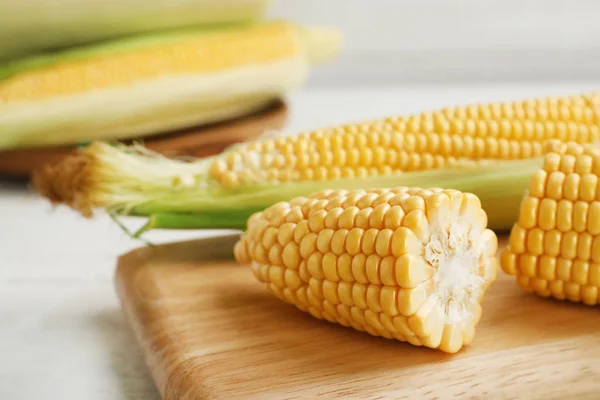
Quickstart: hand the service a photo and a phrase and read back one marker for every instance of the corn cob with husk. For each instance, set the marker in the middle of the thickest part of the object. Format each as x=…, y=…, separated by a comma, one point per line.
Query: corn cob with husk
x=401, y=263
x=140, y=86
x=488, y=149
x=34, y=26
x=554, y=247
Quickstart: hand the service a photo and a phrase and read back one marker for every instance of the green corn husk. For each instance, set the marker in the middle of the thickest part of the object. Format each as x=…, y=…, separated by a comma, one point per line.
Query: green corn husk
x=136, y=87
x=172, y=194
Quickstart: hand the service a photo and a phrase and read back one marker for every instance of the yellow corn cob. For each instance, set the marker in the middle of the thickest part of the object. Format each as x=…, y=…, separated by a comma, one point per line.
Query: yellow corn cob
x=554, y=247
x=504, y=141
x=401, y=263
x=143, y=86
x=447, y=137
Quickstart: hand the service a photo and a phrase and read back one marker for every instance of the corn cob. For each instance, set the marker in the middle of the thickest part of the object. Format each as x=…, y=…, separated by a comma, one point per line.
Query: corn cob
x=141, y=86
x=402, y=263
x=446, y=137
x=422, y=149
x=554, y=247
x=33, y=26
x=129, y=181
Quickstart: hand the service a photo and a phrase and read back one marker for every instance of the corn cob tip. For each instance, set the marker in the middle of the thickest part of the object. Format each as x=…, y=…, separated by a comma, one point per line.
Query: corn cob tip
x=322, y=43
x=102, y=176
x=402, y=263
x=554, y=246
x=68, y=182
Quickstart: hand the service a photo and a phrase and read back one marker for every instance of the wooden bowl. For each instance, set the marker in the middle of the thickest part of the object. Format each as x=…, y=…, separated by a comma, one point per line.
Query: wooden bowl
x=197, y=142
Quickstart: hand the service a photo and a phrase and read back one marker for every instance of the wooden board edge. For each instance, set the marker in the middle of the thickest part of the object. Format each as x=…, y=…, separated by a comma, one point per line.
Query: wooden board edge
x=220, y=248
x=202, y=141
x=123, y=284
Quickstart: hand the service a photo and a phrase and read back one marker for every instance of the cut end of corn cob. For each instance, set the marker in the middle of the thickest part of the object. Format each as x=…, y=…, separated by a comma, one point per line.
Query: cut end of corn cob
x=401, y=263
x=554, y=247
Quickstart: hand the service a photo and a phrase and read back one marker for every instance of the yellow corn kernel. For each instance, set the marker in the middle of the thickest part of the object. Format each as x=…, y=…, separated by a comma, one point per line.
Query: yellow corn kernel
x=554, y=186
x=556, y=253
x=517, y=239
x=571, y=187
x=564, y=216
x=568, y=248
x=535, y=241
x=589, y=295
x=528, y=264
x=547, y=267
x=587, y=187
x=537, y=184
x=394, y=279
x=547, y=214
x=529, y=212
x=584, y=246
x=580, y=272
x=509, y=261
x=593, y=218
x=552, y=240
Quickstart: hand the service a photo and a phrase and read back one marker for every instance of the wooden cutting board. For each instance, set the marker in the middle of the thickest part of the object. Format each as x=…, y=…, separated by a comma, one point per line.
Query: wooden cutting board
x=199, y=141
x=209, y=330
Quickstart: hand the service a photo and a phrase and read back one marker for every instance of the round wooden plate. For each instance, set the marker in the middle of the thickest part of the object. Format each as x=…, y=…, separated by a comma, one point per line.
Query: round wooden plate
x=194, y=142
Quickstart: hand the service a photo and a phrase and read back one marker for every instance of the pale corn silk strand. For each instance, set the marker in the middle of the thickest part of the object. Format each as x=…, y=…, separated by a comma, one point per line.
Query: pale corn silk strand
x=403, y=263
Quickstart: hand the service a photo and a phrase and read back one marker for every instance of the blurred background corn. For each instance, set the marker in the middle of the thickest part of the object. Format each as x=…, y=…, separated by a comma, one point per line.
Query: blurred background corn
x=402, y=263
x=554, y=246
x=452, y=136
x=136, y=87
x=34, y=26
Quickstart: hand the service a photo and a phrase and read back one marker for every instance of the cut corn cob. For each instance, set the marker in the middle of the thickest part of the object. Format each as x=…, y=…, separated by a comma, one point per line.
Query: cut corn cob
x=143, y=86
x=554, y=247
x=38, y=25
x=447, y=137
x=401, y=263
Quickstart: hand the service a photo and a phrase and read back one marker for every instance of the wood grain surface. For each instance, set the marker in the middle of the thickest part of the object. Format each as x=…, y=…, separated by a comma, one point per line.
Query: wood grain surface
x=198, y=141
x=209, y=330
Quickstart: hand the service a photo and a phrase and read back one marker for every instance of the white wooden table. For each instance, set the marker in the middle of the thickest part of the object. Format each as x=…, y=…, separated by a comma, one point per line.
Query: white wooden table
x=62, y=335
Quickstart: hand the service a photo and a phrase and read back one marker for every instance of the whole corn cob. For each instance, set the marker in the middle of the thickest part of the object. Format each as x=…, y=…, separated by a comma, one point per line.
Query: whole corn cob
x=33, y=26
x=129, y=181
x=402, y=263
x=421, y=150
x=139, y=86
x=554, y=247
